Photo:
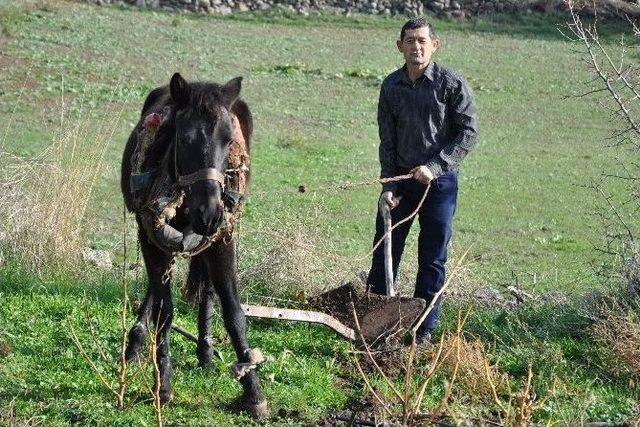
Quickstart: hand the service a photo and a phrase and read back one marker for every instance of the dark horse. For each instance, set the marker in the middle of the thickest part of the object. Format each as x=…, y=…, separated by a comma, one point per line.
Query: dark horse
x=193, y=141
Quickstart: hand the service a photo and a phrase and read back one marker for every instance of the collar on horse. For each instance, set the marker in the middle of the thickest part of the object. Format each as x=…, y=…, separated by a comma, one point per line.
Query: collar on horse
x=157, y=197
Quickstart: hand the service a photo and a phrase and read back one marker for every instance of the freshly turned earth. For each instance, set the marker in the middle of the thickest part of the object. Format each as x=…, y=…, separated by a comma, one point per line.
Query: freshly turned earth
x=382, y=319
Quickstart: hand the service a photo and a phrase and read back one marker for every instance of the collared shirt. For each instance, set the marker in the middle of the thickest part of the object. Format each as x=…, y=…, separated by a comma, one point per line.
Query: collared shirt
x=431, y=121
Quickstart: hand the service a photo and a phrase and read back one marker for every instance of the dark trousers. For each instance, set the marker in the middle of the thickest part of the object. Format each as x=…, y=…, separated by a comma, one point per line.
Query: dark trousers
x=435, y=218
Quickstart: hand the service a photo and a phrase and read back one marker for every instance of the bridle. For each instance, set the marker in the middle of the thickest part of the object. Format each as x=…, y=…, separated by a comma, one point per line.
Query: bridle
x=203, y=174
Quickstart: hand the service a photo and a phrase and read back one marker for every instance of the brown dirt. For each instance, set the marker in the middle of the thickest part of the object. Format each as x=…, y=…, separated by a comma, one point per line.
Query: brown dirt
x=382, y=319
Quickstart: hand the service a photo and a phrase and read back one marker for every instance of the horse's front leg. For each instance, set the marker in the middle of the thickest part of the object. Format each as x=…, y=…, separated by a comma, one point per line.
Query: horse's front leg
x=163, y=317
x=220, y=262
x=157, y=304
x=139, y=331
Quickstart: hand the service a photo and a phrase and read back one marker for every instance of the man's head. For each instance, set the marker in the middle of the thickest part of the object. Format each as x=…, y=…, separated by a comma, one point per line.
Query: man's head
x=418, y=42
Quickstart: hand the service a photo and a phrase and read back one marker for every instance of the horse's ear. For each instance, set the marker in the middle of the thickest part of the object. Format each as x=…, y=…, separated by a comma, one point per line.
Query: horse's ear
x=231, y=91
x=180, y=90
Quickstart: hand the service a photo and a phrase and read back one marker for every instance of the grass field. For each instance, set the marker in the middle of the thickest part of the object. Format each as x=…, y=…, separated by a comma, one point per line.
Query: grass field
x=312, y=84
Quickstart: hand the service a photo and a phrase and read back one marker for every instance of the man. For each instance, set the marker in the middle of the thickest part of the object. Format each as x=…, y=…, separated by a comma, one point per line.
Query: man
x=427, y=125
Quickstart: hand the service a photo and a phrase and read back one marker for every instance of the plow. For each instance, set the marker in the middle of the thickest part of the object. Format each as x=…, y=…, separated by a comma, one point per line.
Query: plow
x=351, y=311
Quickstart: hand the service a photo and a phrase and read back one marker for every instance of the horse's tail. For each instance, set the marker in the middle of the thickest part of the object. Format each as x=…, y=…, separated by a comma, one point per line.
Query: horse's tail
x=196, y=280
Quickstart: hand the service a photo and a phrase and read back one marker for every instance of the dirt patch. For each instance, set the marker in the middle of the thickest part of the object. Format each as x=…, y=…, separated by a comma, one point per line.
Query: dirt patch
x=382, y=319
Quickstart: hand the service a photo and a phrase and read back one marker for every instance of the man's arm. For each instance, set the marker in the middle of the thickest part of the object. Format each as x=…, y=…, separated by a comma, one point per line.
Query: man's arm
x=462, y=112
x=387, y=133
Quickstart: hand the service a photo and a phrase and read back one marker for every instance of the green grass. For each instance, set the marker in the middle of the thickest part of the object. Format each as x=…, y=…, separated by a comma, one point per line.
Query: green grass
x=51, y=380
x=313, y=87
x=312, y=84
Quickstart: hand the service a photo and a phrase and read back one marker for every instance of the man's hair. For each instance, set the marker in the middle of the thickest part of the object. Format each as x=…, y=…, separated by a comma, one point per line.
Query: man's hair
x=415, y=23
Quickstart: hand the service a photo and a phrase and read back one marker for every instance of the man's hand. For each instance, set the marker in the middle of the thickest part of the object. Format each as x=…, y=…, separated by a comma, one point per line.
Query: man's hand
x=422, y=174
x=390, y=199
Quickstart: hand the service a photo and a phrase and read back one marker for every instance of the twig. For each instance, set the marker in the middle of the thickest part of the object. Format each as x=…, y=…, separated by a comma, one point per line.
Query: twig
x=434, y=300
x=366, y=381
x=76, y=341
x=122, y=375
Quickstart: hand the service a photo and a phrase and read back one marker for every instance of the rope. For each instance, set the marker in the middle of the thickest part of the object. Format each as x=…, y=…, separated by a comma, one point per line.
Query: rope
x=350, y=185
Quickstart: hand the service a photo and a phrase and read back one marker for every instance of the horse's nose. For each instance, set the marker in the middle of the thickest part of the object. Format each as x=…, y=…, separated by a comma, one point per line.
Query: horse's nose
x=210, y=214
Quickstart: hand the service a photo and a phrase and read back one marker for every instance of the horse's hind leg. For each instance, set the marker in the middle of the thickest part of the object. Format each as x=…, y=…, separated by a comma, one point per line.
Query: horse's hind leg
x=200, y=287
x=220, y=262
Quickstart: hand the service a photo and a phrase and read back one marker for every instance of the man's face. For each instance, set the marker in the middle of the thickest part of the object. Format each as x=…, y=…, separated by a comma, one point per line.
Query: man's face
x=417, y=46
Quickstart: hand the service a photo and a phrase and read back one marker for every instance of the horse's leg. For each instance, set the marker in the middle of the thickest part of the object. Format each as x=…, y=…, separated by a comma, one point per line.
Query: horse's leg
x=139, y=331
x=220, y=262
x=200, y=285
x=162, y=313
x=157, y=304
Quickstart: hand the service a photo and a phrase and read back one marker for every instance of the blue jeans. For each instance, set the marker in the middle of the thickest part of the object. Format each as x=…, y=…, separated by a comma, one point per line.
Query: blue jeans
x=435, y=218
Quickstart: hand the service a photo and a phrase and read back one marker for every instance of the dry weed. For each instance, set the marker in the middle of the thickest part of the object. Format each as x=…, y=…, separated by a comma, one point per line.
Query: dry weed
x=618, y=329
x=477, y=378
x=299, y=261
x=44, y=199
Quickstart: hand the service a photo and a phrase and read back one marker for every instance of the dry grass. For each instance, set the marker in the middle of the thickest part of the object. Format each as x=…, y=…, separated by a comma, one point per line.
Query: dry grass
x=618, y=329
x=299, y=261
x=477, y=377
x=45, y=198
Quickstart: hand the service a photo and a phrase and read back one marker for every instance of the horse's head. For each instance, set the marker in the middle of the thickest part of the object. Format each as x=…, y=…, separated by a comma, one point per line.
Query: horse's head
x=204, y=131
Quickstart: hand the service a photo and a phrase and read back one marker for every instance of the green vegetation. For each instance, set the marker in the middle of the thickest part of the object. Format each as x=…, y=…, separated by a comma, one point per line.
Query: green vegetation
x=312, y=84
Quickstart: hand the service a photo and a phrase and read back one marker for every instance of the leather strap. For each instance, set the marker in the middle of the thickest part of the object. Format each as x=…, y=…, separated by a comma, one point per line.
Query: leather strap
x=201, y=175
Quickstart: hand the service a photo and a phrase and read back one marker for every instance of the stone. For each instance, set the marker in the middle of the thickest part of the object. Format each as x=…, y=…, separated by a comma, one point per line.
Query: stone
x=436, y=6
x=459, y=14
x=242, y=7
x=455, y=5
x=224, y=10
x=1, y=260
x=488, y=297
x=97, y=257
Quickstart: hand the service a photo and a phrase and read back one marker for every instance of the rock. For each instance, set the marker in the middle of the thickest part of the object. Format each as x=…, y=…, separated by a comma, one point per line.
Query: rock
x=436, y=6
x=1, y=260
x=242, y=7
x=99, y=258
x=224, y=10
x=554, y=297
x=459, y=14
x=488, y=297
x=455, y=5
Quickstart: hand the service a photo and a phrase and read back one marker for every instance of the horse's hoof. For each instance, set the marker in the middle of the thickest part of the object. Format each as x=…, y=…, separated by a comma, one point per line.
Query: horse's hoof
x=166, y=396
x=136, y=338
x=132, y=354
x=258, y=411
x=205, y=354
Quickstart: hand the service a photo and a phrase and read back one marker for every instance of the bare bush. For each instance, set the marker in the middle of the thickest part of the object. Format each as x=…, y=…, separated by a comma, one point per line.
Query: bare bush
x=473, y=370
x=615, y=87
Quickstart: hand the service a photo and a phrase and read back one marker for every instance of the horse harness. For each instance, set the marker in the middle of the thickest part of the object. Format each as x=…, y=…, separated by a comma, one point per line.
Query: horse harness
x=158, y=196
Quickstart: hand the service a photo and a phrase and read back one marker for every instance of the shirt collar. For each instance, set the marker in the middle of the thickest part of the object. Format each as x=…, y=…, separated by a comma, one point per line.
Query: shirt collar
x=428, y=73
